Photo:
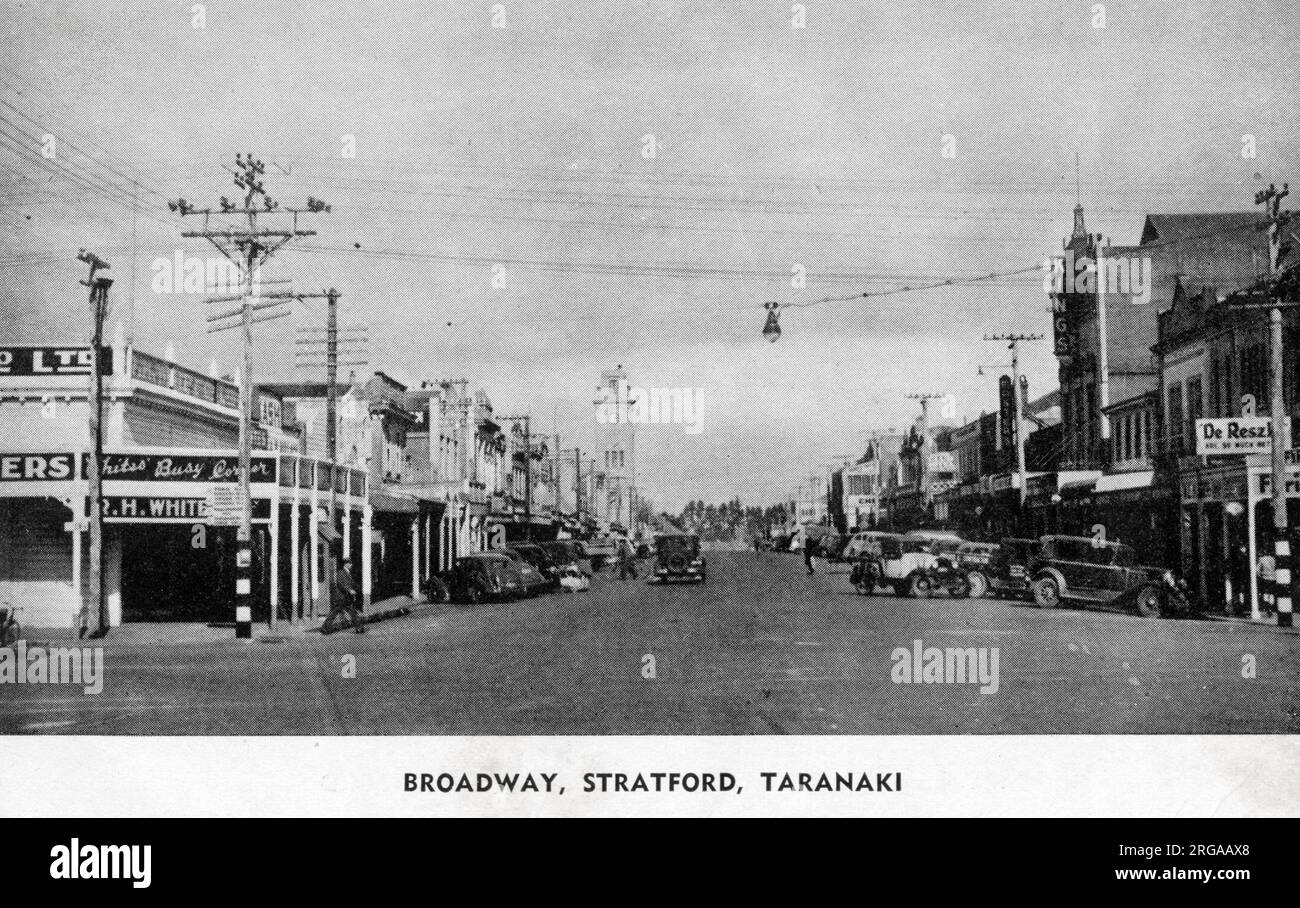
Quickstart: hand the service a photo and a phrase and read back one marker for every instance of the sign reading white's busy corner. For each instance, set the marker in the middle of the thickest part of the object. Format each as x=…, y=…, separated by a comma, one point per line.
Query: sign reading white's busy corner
x=37, y=466
x=185, y=468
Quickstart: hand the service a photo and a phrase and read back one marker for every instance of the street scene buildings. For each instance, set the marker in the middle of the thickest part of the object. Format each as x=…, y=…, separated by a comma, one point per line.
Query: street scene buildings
x=650, y=368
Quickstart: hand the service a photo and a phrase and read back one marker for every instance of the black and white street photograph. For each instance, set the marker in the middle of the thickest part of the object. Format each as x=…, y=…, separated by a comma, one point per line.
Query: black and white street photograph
x=649, y=368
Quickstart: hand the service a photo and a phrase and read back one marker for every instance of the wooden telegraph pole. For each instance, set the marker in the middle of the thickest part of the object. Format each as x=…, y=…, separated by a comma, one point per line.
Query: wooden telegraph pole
x=98, y=312
x=248, y=246
x=1016, y=389
x=1284, y=577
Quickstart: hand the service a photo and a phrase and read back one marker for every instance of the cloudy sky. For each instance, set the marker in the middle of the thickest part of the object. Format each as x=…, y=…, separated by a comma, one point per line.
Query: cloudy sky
x=523, y=147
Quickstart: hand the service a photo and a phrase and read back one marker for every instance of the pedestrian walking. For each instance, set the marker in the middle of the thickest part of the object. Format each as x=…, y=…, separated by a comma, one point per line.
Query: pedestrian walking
x=626, y=562
x=808, y=545
x=343, y=599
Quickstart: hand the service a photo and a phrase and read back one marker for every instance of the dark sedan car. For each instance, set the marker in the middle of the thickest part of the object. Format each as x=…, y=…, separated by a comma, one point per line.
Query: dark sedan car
x=1080, y=569
x=539, y=558
x=483, y=576
x=534, y=581
x=678, y=557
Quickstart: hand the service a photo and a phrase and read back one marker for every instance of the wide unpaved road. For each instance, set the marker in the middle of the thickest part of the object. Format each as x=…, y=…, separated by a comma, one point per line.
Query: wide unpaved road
x=761, y=649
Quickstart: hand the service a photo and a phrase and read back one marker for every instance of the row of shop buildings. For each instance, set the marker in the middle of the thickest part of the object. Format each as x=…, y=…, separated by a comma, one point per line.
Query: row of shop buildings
x=416, y=477
x=1112, y=450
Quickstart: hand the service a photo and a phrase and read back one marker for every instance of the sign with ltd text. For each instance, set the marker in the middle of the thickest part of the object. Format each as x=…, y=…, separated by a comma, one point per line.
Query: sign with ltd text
x=53, y=360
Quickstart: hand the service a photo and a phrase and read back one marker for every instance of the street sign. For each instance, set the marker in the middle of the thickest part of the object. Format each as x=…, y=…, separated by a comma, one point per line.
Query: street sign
x=1235, y=435
x=225, y=506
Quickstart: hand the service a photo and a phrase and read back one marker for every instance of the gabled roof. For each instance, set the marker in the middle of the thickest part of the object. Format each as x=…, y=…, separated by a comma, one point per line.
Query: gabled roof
x=1187, y=227
x=1225, y=250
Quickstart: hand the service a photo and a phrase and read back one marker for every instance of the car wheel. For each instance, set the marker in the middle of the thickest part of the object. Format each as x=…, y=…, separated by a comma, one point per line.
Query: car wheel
x=865, y=585
x=918, y=586
x=960, y=588
x=978, y=583
x=473, y=594
x=437, y=591
x=1047, y=594
x=1148, y=602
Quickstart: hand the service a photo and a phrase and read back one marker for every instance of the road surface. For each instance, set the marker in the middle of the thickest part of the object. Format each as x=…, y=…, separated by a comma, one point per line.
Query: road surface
x=762, y=648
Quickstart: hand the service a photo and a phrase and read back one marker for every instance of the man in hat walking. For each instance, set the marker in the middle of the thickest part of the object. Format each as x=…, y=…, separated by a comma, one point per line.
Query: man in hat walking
x=343, y=598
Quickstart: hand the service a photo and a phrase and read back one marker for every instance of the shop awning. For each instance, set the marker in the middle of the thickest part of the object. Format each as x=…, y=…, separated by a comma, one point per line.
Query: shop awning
x=388, y=503
x=1076, y=489
x=1119, y=482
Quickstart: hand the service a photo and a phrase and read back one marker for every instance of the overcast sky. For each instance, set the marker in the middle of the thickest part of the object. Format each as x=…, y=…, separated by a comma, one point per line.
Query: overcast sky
x=523, y=146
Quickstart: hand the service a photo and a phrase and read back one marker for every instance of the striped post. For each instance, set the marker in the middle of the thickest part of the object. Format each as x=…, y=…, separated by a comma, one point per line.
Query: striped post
x=1282, y=581
x=244, y=588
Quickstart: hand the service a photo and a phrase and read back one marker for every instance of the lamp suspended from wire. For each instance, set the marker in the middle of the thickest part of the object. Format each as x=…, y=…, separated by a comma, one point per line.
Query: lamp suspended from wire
x=772, y=328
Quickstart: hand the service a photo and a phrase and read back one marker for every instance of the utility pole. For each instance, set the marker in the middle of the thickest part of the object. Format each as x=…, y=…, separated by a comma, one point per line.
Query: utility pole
x=1014, y=341
x=98, y=312
x=313, y=349
x=249, y=247
x=923, y=477
x=1284, y=576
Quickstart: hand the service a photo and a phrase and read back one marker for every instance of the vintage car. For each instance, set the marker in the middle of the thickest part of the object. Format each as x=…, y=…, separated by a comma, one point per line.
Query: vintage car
x=973, y=559
x=1082, y=569
x=539, y=558
x=534, y=580
x=482, y=576
x=909, y=565
x=573, y=580
x=1010, y=570
x=860, y=542
x=677, y=557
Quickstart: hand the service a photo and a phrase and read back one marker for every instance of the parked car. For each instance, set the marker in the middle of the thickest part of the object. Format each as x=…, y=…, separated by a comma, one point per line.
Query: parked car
x=1083, y=569
x=860, y=542
x=831, y=546
x=573, y=580
x=565, y=551
x=602, y=549
x=538, y=557
x=910, y=566
x=973, y=558
x=678, y=557
x=483, y=576
x=533, y=579
x=945, y=538
x=1011, y=567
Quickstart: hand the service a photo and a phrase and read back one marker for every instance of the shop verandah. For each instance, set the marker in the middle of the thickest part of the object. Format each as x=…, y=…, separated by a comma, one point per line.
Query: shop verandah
x=167, y=558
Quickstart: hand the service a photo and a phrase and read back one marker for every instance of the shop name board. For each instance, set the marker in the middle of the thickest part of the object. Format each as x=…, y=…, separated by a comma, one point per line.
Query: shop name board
x=169, y=508
x=53, y=360
x=36, y=467
x=941, y=462
x=184, y=468
x=1238, y=435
